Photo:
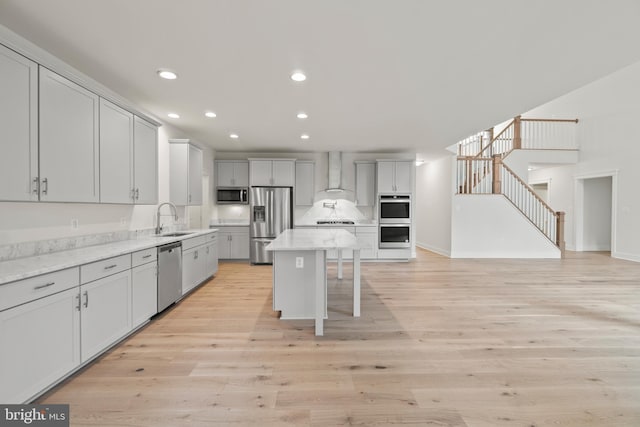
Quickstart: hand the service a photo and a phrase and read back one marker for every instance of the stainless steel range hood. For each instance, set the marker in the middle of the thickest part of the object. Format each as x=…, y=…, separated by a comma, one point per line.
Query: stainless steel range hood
x=335, y=172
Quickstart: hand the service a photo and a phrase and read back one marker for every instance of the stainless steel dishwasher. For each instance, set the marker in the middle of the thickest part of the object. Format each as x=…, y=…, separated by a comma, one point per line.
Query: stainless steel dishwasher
x=169, y=274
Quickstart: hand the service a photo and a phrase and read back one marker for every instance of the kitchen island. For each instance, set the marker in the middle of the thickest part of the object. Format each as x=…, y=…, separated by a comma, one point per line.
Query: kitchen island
x=300, y=272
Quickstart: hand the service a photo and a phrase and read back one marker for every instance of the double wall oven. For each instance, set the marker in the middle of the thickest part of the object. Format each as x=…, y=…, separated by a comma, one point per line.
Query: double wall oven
x=394, y=219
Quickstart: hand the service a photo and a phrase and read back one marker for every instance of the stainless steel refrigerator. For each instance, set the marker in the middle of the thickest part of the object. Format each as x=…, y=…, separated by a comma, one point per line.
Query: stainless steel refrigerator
x=271, y=214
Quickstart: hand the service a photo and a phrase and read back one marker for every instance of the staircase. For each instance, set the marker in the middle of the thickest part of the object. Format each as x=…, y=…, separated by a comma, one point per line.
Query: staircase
x=481, y=168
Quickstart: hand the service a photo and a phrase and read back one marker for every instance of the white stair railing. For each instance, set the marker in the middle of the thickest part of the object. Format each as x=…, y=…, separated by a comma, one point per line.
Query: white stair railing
x=548, y=134
x=480, y=169
x=491, y=176
x=528, y=202
x=474, y=175
x=531, y=134
x=473, y=144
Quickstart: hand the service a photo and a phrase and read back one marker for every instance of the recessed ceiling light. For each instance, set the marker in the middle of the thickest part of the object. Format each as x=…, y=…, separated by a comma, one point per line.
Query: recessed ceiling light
x=304, y=136
x=302, y=115
x=233, y=135
x=167, y=74
x=210, y=114
x=174, y=115
x=298, y=76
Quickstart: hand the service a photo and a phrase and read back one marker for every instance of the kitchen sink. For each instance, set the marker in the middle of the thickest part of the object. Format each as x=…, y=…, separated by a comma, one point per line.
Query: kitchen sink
x=175, y=234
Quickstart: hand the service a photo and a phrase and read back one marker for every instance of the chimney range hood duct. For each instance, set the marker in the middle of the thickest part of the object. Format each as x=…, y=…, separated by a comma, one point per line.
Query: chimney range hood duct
x=335, y=172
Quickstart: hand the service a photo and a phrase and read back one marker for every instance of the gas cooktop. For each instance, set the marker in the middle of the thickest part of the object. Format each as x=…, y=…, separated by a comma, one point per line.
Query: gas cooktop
x=334, y=221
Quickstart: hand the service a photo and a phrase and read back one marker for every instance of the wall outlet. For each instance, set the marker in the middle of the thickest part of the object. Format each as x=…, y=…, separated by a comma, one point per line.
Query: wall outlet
x=299, y=262
x=74, y=224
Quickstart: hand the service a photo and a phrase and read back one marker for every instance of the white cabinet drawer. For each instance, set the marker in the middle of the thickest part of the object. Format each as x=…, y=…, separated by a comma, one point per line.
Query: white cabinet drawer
x=23, y=291
x=99, y=269
x=193, y=242
x=144, y=257
x=212, y=237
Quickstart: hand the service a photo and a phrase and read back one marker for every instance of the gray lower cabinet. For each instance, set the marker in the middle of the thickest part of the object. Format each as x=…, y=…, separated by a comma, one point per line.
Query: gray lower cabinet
x=191, y=270
x=105, y=310
x=346, y=253
x=233, y=242
x=199, y=260
x=40, y=345
x=144, y=286
x=368, y=239
x=50, y=325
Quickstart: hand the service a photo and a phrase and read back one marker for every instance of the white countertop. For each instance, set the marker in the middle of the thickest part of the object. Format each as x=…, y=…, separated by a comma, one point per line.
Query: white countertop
x=312, y=239
x=229, y=223
x=23, y=268
x=357, y=223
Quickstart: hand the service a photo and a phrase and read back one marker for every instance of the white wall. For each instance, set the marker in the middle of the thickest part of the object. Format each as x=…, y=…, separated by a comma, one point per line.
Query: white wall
x=519, y=160
x=609, y=141
x=490, y=226
x=434, y=193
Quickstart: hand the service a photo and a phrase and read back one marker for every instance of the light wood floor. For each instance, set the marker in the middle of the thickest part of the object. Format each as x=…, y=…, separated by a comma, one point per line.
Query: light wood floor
x=441, y=342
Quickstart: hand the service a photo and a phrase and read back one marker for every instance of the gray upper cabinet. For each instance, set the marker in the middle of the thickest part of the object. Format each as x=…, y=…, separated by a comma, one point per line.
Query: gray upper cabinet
x=395, y=176
x=19, y=125
x=278, y=173
x=305, y=183
x=116, y=154
x=232, y=173
x=69, y=148
x=365, y=183
x=185, y=170
x=145, y=162
x=127, y=143
x=60, y=142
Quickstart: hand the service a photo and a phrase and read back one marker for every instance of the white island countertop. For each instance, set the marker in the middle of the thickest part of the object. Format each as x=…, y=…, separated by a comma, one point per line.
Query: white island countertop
x=312, y=239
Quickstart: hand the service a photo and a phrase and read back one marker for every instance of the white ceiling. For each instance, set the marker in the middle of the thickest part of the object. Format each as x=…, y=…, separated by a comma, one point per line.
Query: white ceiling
x=383, y=75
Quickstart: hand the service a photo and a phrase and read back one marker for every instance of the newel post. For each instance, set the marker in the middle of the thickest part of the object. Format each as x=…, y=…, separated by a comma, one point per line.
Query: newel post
x=496, y=184
x=560, y=231
x=517, y=133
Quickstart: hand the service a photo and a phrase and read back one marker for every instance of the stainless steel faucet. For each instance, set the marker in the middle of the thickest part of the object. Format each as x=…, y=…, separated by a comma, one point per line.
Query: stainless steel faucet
x=173, y=210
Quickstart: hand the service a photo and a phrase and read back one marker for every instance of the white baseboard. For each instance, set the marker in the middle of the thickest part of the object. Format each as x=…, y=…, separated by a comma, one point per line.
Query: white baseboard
x=625, y=256
x=439, y=251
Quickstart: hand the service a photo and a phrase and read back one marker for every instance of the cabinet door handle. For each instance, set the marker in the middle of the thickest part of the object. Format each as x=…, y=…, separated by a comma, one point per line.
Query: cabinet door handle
x=45, y=186
x=46, y=285
x=78, y=298
x=137, y=193
x=86, y=299
x=189, y=198
x=36, y=185
x=195, y=255
x=133, y=194
x=109, y=267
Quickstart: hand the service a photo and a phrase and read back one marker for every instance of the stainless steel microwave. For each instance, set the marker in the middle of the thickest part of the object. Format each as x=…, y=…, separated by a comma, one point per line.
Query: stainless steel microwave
x=230, y=195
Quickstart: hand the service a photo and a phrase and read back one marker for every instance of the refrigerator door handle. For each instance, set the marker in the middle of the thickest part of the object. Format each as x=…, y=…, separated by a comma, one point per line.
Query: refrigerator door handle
x=270, y=213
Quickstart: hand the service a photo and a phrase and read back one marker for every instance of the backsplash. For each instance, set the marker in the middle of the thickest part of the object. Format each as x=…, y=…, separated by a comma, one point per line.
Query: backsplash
x=42, y=247
x=333, y=209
